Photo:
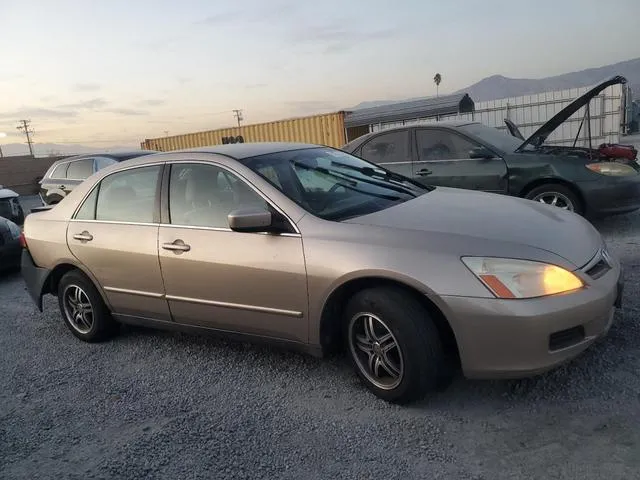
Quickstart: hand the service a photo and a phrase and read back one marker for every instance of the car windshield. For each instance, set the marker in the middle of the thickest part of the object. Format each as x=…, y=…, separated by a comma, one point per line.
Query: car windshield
x=332, y=184
x=498, y=138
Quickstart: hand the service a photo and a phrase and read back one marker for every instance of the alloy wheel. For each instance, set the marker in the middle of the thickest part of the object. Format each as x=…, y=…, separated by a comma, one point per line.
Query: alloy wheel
x=376, y=351
x=555, y=199
x=78, y=308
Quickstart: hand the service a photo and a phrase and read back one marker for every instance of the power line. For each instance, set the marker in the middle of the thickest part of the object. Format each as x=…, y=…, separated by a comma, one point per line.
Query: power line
x=24, y=127
x=238, y=115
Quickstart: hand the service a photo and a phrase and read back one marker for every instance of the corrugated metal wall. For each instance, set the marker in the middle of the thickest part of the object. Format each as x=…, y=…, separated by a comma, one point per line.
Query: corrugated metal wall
x=325, y=129
x=529, y=112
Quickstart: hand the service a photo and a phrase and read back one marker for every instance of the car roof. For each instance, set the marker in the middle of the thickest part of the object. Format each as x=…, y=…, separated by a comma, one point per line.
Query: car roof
x=117, y=155
x=446, y=124
x=240, y=151
x=122, y=155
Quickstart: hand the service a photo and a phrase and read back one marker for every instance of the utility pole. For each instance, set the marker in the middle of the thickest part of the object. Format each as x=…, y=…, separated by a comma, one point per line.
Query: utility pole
x=24, y=128
x=1, y=154
x=238, y=115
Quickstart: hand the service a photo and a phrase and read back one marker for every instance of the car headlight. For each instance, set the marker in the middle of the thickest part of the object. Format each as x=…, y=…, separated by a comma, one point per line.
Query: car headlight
x=612, y=169
x=511, y=278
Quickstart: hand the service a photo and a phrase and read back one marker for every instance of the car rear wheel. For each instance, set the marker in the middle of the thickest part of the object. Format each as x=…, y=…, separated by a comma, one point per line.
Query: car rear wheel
x=83, y=309
x=394, y=345
x=557, y=196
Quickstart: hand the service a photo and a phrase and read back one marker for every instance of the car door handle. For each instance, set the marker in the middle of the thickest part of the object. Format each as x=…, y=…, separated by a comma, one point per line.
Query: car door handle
x=423, y=172
x=177, y=246
x=84, y=236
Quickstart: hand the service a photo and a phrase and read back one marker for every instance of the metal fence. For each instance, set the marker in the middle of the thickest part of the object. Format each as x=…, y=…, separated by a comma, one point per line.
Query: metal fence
x=529, y=112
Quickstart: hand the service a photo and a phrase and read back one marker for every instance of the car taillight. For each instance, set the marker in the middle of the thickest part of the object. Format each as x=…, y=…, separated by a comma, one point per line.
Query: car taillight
x=23, y=240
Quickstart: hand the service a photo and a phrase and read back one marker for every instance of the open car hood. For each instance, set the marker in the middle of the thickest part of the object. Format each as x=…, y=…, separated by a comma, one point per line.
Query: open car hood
x=540, y=135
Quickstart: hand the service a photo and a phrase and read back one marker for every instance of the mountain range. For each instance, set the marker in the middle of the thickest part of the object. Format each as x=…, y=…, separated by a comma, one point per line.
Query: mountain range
x=56, y=149
x=490, y=88
x=498, y=86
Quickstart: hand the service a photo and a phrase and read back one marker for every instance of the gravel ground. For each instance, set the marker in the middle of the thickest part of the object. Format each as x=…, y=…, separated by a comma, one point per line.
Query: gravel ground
x=165, y=405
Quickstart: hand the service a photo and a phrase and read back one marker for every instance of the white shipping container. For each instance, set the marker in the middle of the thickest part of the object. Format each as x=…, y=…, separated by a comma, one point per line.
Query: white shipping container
x=530, y=112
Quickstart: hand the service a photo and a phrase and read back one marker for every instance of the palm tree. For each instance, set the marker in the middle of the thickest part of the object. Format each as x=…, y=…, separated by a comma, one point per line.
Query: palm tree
x=437, y=79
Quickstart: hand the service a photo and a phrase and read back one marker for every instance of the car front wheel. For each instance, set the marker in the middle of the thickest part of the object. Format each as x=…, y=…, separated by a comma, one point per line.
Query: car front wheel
x=557, y=196
x=83, y=309
x=394, y=345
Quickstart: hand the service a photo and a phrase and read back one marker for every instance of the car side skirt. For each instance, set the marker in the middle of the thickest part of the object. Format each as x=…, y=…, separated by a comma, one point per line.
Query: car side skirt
x=312, y=350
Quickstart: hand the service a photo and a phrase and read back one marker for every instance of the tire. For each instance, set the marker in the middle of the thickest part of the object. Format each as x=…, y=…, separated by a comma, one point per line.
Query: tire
x=94, y=323
x=561, y=193
x=419, y=356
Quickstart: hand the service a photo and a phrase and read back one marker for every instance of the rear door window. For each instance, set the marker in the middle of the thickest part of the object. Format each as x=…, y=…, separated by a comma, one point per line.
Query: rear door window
x=103, y=162
x=128, y=196
x=387, y=148
x=80, y=169
x=60, y=171
x=438, y=144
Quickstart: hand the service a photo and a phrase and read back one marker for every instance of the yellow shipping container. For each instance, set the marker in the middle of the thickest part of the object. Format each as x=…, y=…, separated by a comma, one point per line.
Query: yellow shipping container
x=325, y=129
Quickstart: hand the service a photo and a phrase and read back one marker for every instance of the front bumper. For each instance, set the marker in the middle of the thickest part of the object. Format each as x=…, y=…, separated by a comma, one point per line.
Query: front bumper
x=611, y=195
x=520, y=338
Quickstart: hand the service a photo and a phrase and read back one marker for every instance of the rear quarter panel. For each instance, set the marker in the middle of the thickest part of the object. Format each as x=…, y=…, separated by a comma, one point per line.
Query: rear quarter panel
x=47, y=240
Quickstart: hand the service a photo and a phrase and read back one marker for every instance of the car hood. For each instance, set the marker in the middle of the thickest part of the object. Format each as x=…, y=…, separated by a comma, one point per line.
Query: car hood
x=493, y=217
x=540, y=135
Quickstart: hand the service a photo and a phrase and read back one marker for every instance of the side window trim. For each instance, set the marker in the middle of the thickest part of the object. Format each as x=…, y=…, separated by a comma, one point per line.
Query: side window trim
x=156, y=207
x=164, y=197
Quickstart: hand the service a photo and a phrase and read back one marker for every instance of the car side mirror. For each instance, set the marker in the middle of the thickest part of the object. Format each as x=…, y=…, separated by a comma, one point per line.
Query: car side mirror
x=250, y=219
x=480, y=152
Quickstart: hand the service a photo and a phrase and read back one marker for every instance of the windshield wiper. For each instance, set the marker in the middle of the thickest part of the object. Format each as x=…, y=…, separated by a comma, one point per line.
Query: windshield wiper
x=391, y=177
x=349, y=179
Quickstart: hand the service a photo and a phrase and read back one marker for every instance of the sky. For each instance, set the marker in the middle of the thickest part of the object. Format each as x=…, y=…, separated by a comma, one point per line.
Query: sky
x=114, y=72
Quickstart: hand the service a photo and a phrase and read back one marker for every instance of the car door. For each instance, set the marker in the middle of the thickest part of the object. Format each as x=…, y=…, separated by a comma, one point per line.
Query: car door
x=214, y=277
x=444, y=158
x=390, y=150
x=114, y=234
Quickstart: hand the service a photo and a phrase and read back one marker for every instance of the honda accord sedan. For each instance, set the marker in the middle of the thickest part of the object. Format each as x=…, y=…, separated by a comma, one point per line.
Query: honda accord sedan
x=312, y=248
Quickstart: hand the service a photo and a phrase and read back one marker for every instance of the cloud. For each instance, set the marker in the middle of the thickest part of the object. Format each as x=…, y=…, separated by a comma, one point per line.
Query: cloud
x=92, y=104
x=218, y=18
x=5, y=77
x=257, y=15
x=304, y=107
x=252, y=86
x=126, y=111
x=86, y=87
x=183, y=80
x=161, y=43
x=151, y=102
x=37, y=113
x=336, y=39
